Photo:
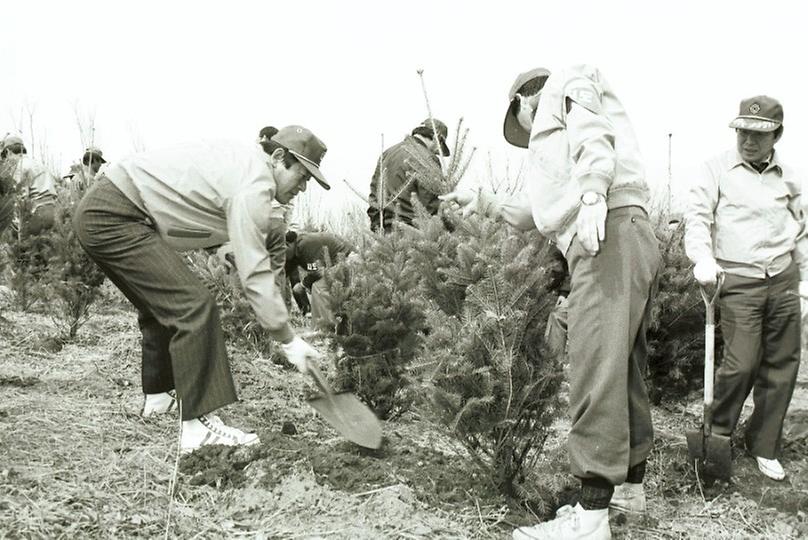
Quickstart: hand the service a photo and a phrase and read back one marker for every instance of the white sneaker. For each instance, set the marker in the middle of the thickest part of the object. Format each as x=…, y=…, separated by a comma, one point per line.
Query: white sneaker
x=629, y=498
x=771, y=468
x=161, y=403
x=209, y=429
x=571, y=523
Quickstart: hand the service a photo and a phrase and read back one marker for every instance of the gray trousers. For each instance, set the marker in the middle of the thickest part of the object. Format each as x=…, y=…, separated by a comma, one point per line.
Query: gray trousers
x=609, y=311
x=183, y=344
x=760, y=324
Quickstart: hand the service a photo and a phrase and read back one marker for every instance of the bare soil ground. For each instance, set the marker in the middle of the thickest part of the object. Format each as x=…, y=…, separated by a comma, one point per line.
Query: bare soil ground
x=77, y=461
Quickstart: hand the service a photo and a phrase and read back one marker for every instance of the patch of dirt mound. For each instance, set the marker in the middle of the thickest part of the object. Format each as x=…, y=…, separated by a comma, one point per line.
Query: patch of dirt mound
x=218, y=466
x=434, y=477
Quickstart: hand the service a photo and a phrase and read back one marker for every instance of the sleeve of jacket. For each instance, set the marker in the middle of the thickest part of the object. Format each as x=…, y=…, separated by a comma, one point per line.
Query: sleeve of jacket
x=800, y=254
x=514, y=209
x=702, y=200
x=427, y=198
x=591, y=136
x=247, y=223
x=373, y=199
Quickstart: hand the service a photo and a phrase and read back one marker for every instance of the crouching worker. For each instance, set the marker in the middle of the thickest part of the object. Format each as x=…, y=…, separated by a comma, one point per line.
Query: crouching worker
x=310, y=252
x=145, y=208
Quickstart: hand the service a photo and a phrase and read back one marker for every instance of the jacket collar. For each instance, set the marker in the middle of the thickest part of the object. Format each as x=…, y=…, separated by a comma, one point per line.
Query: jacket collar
x=773, y=163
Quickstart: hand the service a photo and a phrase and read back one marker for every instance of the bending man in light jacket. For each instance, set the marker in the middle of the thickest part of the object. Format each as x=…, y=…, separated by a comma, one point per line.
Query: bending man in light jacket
x=745, y=220
x=587, y=193
x=145, y=208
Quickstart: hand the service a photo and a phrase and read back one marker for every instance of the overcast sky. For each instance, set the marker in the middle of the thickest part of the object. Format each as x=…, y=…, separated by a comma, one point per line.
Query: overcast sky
x=156, y=73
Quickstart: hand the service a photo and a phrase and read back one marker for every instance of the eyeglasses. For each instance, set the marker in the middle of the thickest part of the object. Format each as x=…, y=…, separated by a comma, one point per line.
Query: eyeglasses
x=754, y=135
x=17, y=149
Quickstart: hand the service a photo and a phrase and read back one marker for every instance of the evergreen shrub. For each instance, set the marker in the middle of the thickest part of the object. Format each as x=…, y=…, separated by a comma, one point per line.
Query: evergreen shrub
x=381, y=320
x=676, y=333
x=73, y=279
x=494, y=385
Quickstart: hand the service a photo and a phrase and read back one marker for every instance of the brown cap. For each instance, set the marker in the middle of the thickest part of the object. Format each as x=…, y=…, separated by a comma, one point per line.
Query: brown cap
x=512, y=129
x=307, y=148
x=759, y=113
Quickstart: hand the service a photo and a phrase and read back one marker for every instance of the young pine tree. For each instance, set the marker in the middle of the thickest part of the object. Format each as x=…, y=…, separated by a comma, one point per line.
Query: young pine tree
x=495, y=386
x=676, y=333
x=381, y=321
x=238, y=319
x=28, y=254
x=73, y=279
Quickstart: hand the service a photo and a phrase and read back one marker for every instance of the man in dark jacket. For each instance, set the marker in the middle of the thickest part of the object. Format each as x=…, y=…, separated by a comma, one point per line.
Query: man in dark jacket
x=311, y=252
x=405, y=169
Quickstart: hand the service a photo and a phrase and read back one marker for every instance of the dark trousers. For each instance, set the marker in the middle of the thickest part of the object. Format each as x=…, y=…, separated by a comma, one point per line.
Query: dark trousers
x=183, y=344
x=301, y=298
x=609, y=311
x=760, y=324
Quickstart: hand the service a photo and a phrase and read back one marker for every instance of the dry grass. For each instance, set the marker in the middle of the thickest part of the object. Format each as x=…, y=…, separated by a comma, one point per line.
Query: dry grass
x=77, y=461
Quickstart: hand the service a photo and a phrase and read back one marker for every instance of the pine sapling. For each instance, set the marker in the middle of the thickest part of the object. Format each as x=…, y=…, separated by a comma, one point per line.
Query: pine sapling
x=73, y=279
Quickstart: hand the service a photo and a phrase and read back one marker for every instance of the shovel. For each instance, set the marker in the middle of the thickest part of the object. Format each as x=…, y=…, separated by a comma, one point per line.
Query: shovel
x=711, y=454
x=345, y=413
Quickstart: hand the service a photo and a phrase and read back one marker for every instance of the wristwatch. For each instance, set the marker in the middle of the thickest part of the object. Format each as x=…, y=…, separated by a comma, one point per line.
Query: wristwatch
x=591, y=198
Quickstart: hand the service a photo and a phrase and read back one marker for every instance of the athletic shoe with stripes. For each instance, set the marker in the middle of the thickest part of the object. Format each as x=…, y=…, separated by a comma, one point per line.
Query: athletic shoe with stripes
x=209, y=429
x=162, y=403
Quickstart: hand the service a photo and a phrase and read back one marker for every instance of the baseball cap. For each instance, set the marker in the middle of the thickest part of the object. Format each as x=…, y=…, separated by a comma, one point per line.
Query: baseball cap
x=11, y=140
x=96, y=152
x=267, y=132
x=307, y=148
x=759, y=113
x=512, y=129
x=425, y=129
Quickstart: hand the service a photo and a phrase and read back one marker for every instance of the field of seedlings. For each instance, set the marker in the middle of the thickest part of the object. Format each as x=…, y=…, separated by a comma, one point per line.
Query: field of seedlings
x=78, y=461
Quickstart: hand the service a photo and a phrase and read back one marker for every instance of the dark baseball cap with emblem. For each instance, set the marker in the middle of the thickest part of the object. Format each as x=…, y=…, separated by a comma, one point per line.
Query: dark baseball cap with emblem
x=306, y=147
x=512, y=129
x=759, y=113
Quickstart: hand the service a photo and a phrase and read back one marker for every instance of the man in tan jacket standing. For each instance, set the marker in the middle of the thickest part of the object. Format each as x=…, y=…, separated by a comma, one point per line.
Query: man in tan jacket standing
x=145, y=208
x=745, y=220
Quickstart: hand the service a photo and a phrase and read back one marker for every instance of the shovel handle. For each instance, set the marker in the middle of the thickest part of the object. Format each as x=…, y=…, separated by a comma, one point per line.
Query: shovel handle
x=709, y=351
x=709, y=299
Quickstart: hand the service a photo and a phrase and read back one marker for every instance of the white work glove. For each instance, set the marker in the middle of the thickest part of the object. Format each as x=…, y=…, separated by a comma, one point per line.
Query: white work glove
x=468, y=201
x=591, y=225
x=804, y=289
x=299, y=353
x=707, y=271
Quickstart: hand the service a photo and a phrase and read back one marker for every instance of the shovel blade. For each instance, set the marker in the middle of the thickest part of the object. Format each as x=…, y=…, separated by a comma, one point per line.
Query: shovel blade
x=717, y=461
x=711, y=454
x=695, y=445
x=350, y=417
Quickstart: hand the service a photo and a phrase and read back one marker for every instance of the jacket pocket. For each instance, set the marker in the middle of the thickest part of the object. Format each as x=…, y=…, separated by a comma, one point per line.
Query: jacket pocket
x=188, y=233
